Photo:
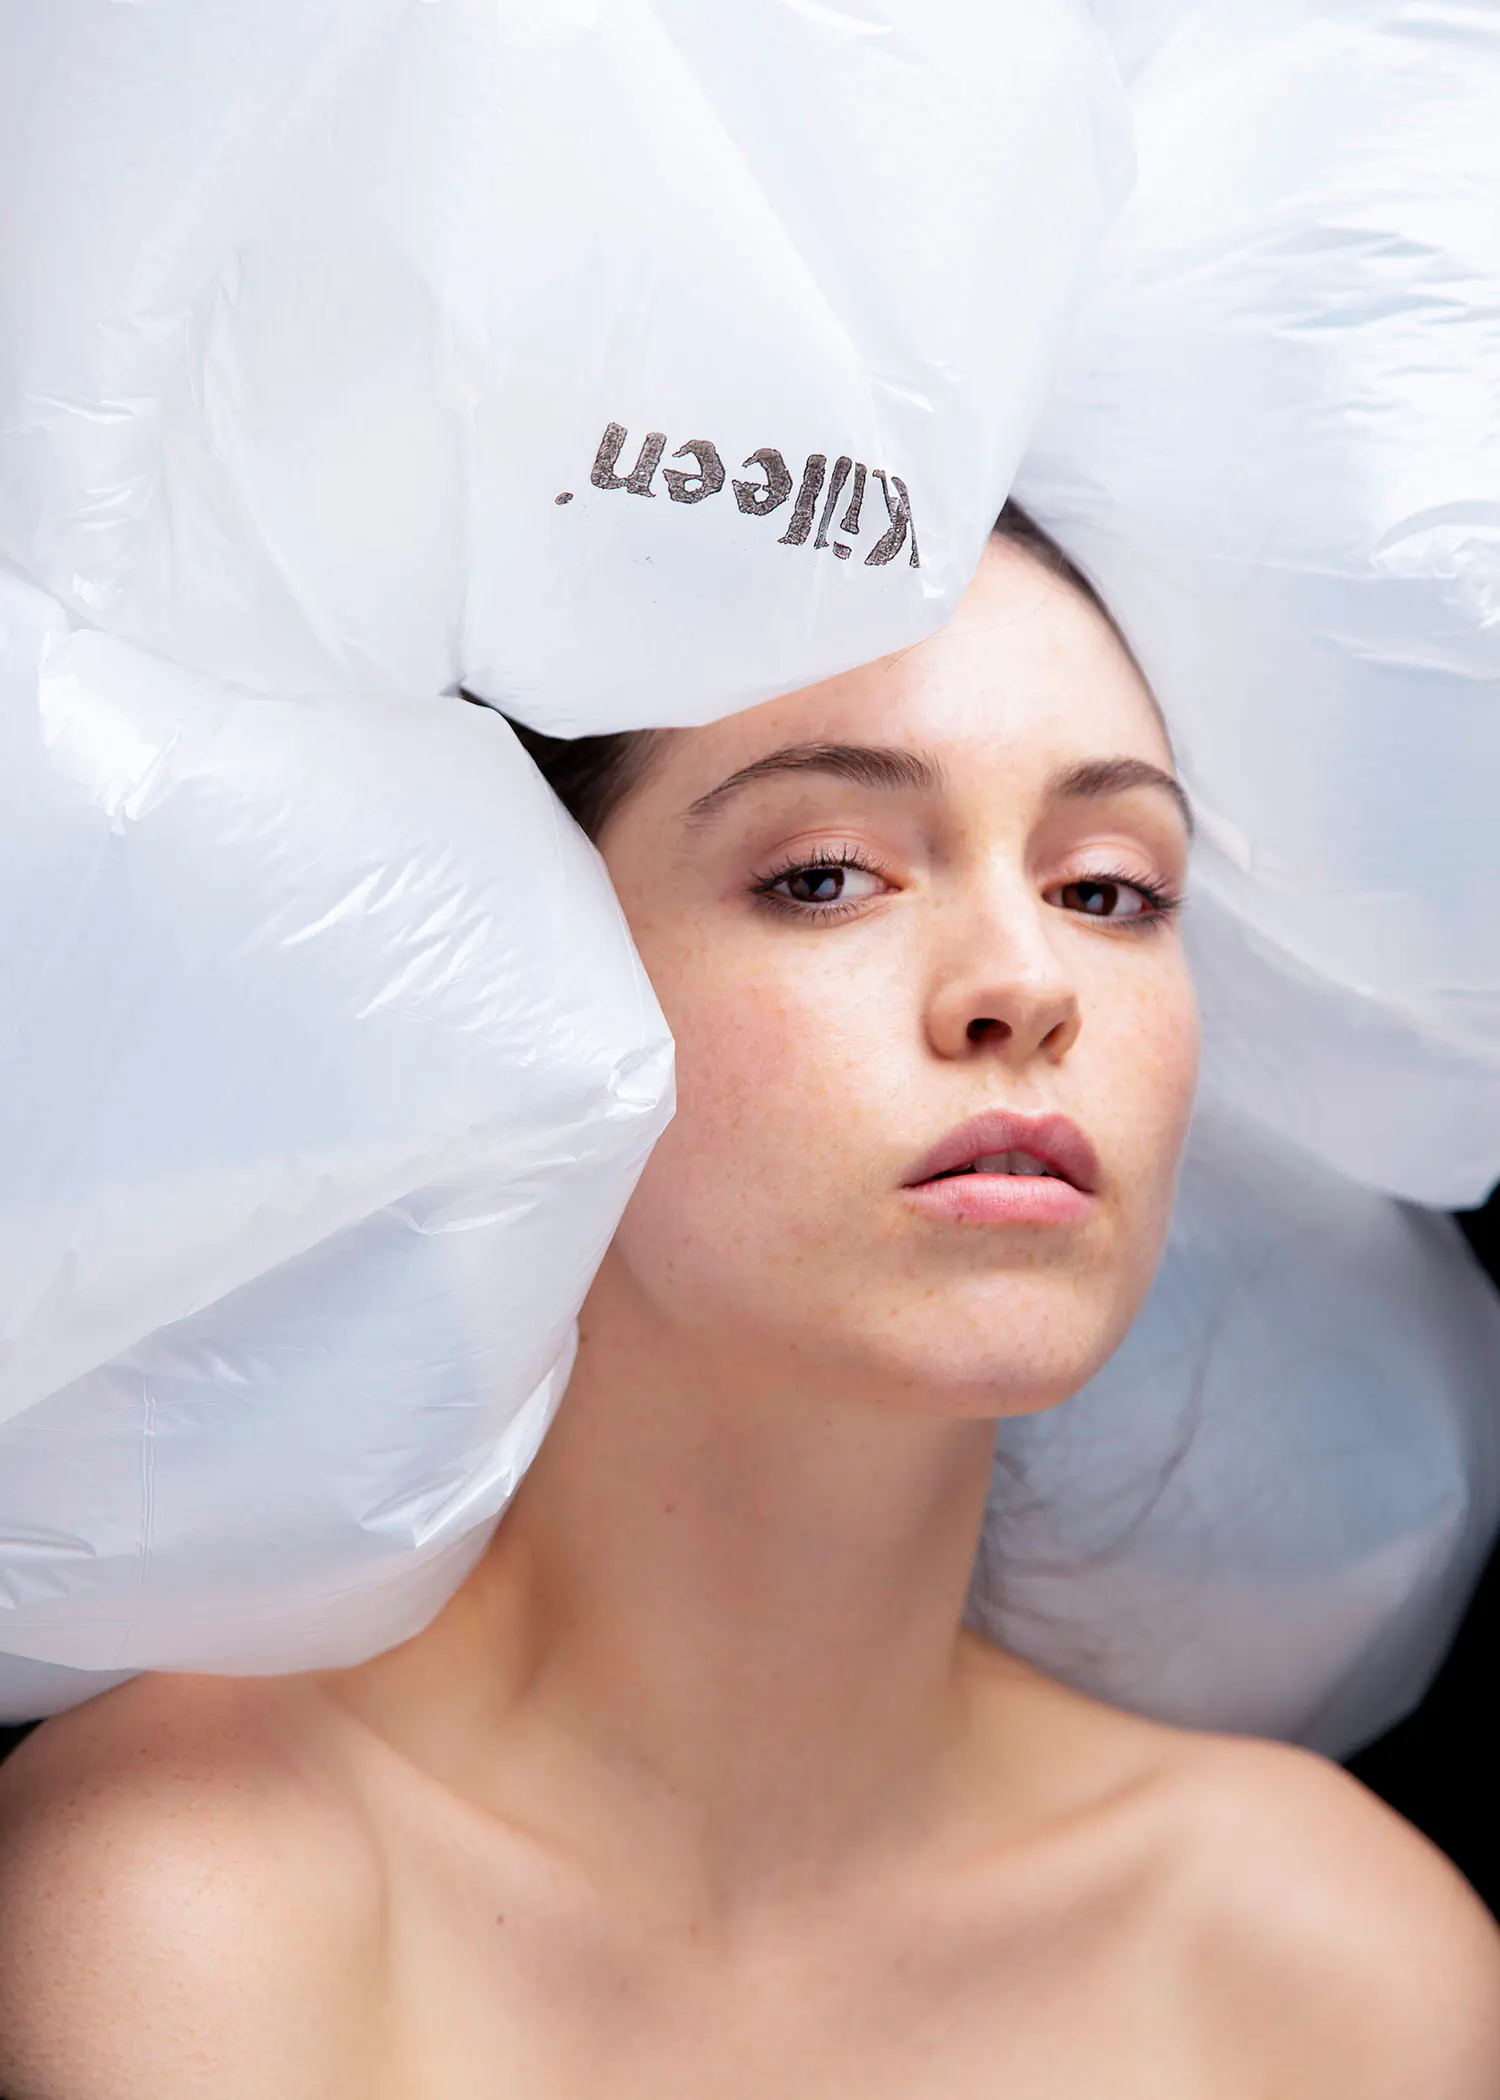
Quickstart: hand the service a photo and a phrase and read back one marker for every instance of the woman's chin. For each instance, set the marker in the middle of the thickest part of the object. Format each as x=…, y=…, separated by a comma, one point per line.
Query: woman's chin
x=991, y=1392
x=991, y=1361
x=937, y=1374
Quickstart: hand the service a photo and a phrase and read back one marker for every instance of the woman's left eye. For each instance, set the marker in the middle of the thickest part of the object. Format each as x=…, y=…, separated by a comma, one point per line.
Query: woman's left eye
x=1112, y=897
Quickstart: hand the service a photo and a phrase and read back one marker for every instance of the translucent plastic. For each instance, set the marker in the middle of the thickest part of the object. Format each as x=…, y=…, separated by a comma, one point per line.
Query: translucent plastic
x=1274, y=442
x=1266, y=1513
x=327, y=1068
x=628, y=363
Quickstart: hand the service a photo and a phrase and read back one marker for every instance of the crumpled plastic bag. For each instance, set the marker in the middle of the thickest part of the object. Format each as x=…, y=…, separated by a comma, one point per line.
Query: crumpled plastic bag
x=627, y=364
x=327, y=1068
x=1267, y=1511
x=1274, y=443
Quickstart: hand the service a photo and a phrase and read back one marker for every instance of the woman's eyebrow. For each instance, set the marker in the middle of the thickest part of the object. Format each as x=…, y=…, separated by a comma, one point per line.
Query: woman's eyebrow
x=867, y=765
x=1094, y=778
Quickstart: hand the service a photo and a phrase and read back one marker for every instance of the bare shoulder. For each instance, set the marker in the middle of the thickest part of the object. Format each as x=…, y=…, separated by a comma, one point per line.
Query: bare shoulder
x=1320, y=1948
x=185, y=1902
x=1334, y=1950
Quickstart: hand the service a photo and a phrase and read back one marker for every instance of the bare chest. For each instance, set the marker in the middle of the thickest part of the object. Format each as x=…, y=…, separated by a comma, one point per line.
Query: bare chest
x=500, y=1989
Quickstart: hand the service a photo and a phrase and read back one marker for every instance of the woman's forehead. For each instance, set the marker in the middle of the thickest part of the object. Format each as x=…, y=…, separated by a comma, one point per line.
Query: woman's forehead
x=1026, y=671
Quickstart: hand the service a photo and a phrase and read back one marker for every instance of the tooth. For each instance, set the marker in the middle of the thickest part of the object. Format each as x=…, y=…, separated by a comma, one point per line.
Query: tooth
x=1013, y=1162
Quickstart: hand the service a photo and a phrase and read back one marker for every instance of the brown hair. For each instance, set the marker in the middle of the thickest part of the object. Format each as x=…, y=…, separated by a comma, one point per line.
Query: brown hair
x=592, y=775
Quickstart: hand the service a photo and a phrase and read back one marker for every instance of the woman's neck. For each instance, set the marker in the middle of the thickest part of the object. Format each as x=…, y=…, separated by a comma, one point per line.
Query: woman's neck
x=728, y=1601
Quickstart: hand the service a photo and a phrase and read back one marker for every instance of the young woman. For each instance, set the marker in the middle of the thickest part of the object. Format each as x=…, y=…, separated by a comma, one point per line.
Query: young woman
x=698, y=1788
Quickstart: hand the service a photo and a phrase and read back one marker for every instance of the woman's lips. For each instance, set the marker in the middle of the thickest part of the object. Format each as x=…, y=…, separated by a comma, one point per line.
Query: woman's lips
x=974, y=1178
x=999, y=1199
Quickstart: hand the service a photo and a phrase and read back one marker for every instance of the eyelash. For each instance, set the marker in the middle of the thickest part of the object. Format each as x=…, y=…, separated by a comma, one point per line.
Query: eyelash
x=764, y=888
x=1162, y=903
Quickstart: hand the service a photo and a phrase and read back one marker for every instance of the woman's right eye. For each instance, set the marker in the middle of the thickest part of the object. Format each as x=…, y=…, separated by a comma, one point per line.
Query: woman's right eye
x=840, y=885
x=822, y=887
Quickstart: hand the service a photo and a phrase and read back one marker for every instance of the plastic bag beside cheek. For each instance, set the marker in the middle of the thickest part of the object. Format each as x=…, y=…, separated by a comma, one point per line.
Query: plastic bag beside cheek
x=330, y=1068
x=625, y=364
x=1273, y=440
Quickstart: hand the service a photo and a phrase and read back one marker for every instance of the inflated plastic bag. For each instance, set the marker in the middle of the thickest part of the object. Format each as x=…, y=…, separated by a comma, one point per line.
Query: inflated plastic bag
x=1266, y=1513
x=629, y=364
x=1274, y=442
x=328, y=1066
x=625, y=363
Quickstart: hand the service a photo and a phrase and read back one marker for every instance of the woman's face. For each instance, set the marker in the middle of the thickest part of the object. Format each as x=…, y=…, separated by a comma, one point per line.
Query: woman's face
x=884, y=916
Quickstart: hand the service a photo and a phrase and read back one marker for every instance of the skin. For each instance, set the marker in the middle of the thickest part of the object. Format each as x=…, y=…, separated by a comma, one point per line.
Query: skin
x=697, y=1790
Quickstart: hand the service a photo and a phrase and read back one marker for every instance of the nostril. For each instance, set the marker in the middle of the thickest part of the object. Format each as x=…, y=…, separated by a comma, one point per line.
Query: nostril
x=978, y=1030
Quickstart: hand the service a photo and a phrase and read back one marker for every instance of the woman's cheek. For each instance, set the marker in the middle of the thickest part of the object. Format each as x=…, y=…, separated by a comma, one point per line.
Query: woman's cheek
x=1152, y=1068
x=739, y=1180
x=770, y=1065
x=751, y=1053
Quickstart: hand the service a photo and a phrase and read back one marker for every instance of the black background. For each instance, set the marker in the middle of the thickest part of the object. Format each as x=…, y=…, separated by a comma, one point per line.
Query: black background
x=1439, y=1766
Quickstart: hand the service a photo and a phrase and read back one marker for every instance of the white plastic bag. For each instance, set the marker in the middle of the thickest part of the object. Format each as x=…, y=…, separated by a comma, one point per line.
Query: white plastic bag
x=626, y=363
x=1266, y=1513
x=327, y=1068
x=1274, y=442
x=324, y=1064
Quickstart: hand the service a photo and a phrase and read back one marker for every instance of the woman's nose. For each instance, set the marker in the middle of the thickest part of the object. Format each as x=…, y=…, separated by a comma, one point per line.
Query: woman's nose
x=1007, y=995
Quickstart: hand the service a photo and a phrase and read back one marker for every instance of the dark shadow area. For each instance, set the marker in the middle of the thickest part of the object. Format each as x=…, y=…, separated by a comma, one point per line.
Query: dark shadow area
x=9, y=1737
x=1437, y=1767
